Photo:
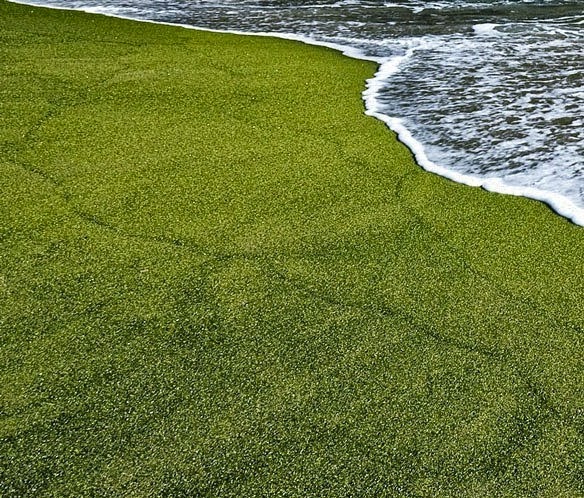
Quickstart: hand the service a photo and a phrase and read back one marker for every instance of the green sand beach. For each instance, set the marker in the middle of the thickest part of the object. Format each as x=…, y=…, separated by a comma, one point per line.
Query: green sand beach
x=218, y=277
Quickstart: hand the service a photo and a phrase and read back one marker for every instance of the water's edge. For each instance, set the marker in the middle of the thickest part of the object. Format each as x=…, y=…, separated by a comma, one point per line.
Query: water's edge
x=386, y=67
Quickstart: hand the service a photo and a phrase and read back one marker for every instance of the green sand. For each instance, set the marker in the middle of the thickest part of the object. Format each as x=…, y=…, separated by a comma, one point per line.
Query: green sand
x=218, y=277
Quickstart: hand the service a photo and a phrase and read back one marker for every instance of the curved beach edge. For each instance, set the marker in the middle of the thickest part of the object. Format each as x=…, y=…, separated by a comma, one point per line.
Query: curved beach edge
x=560, y=204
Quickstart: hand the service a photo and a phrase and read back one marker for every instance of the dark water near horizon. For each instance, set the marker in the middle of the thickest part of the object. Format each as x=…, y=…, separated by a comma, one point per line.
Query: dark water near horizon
x=492, y=92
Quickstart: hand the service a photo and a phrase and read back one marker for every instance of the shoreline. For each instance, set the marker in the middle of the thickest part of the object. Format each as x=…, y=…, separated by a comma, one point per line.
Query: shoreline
x=221, y=278
x=561, y=205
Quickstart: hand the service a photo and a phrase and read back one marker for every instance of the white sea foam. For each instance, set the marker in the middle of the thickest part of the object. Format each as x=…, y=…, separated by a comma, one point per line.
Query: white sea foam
x=376, y=87
x=105, y=10
x=486, y=29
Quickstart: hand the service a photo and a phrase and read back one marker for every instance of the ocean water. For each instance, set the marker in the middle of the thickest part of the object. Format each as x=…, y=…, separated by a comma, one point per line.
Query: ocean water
x=486, y=92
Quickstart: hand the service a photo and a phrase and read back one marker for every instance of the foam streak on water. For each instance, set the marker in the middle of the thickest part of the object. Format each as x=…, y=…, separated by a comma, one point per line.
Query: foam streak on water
x=487, y=92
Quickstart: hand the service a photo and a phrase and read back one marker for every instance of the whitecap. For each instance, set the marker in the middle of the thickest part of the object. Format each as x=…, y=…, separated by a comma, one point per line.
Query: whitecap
x=486, y=29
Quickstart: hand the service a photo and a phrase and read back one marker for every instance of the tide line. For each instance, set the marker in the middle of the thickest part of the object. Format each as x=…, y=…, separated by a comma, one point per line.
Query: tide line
x=387, y=67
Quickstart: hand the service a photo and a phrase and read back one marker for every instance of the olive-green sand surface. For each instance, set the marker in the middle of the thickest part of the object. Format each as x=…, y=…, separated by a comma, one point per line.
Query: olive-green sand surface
x=218, y=277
